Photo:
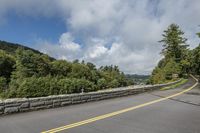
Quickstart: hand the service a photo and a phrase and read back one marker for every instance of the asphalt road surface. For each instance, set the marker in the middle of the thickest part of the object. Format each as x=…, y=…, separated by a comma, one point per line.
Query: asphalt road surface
x=179, y=114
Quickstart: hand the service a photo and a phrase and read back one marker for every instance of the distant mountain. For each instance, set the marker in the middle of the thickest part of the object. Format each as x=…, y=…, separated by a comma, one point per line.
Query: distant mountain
x=138, y=79
x=137, y=76
x=12, y=47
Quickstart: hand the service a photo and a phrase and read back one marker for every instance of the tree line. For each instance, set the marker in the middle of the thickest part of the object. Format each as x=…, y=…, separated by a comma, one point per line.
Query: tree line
x=177, y=59
x=26, y=73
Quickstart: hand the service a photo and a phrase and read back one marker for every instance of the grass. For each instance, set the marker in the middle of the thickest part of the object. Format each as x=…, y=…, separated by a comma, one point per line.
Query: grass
x=175, y=85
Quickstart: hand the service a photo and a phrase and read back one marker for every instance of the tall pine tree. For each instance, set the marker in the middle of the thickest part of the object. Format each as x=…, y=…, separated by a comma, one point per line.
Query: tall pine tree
x=173, y=42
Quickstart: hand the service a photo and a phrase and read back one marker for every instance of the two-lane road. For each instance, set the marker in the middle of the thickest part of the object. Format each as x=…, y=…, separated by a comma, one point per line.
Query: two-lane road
x=144, y=113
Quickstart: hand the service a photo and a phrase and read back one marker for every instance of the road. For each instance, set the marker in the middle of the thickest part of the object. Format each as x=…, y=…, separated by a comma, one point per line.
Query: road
x=177, y=114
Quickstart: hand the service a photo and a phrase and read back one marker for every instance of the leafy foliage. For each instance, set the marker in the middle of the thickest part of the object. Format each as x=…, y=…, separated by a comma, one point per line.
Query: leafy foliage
x=173, y=43
x=7, y=63
x=26, y=73
x=30, y=64
x=178, y=59
x=3, y=84
x=175, y=85
x=196, y=60
x=61, y=67
x=198, y=34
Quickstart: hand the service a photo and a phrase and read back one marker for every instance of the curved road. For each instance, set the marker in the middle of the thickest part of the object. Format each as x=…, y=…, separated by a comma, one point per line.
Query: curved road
x=179, y=114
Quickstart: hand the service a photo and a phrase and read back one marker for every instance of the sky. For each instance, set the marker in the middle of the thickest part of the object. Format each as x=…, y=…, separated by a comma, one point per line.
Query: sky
x=104, y=32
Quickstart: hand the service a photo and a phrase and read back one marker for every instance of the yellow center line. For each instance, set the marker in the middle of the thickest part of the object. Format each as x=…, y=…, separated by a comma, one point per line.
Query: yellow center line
x=76, y=124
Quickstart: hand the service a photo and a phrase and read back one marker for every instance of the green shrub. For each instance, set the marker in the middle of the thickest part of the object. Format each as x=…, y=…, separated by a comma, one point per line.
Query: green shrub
x=65, y=86
x=114, y=83
x=61, y=68
x=45, y=86
x=35, y=87
x=79, y=84
x=7, y=63
x=3, y=84
x=101, y=83
x=29, y=73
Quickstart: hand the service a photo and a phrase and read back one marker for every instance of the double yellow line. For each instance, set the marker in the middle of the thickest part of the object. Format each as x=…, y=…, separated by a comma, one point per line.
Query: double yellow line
x=76, y=124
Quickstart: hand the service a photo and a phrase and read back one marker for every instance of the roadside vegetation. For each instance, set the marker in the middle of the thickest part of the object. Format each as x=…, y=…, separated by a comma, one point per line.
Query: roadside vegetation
x=28, y=73
x=178, y=60
x=25, y=72
x=183, y=81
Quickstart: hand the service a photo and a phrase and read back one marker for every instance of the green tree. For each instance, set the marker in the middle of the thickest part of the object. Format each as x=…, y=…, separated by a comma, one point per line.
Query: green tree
x=66, y=86
x=82, y=84
x=122, y=80
x=198, y=34
x=176, y=55
x=7, y=63
x=80, y=71
x=158, y=76
x=3, y=84
x=185, y=63
x=114, y=83
x=170, y=68
x=196, y=60
x=61, y=68
x=28, y=64
x=174, y=43
x=101, y=83
x=91, y=66
x=37, y=87
x=113, y=76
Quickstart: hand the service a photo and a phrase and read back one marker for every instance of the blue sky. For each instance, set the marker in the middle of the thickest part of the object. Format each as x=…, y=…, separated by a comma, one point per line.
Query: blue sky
x=28, y=30
x=105, y=32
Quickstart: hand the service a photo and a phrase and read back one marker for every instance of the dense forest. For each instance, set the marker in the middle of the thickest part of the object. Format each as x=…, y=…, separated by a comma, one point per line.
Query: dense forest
x=178, y=58
x=25, y=72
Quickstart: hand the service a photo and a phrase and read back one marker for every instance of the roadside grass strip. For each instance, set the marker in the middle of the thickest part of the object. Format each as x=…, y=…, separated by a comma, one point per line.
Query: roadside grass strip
x=183, y=81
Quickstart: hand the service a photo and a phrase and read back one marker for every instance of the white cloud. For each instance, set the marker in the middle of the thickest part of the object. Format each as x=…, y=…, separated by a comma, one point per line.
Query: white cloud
x=66, y=42
x=65, y=49
x=97, y=51
x=120, y=32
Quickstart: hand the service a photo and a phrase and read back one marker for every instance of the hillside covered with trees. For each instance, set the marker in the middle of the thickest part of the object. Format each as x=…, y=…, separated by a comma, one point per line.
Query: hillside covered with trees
x=138, y=79
x=178, y=58
x=25, y=72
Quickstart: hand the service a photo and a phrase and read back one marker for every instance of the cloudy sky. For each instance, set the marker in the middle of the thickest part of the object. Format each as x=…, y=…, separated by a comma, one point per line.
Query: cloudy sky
x=119, y=32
